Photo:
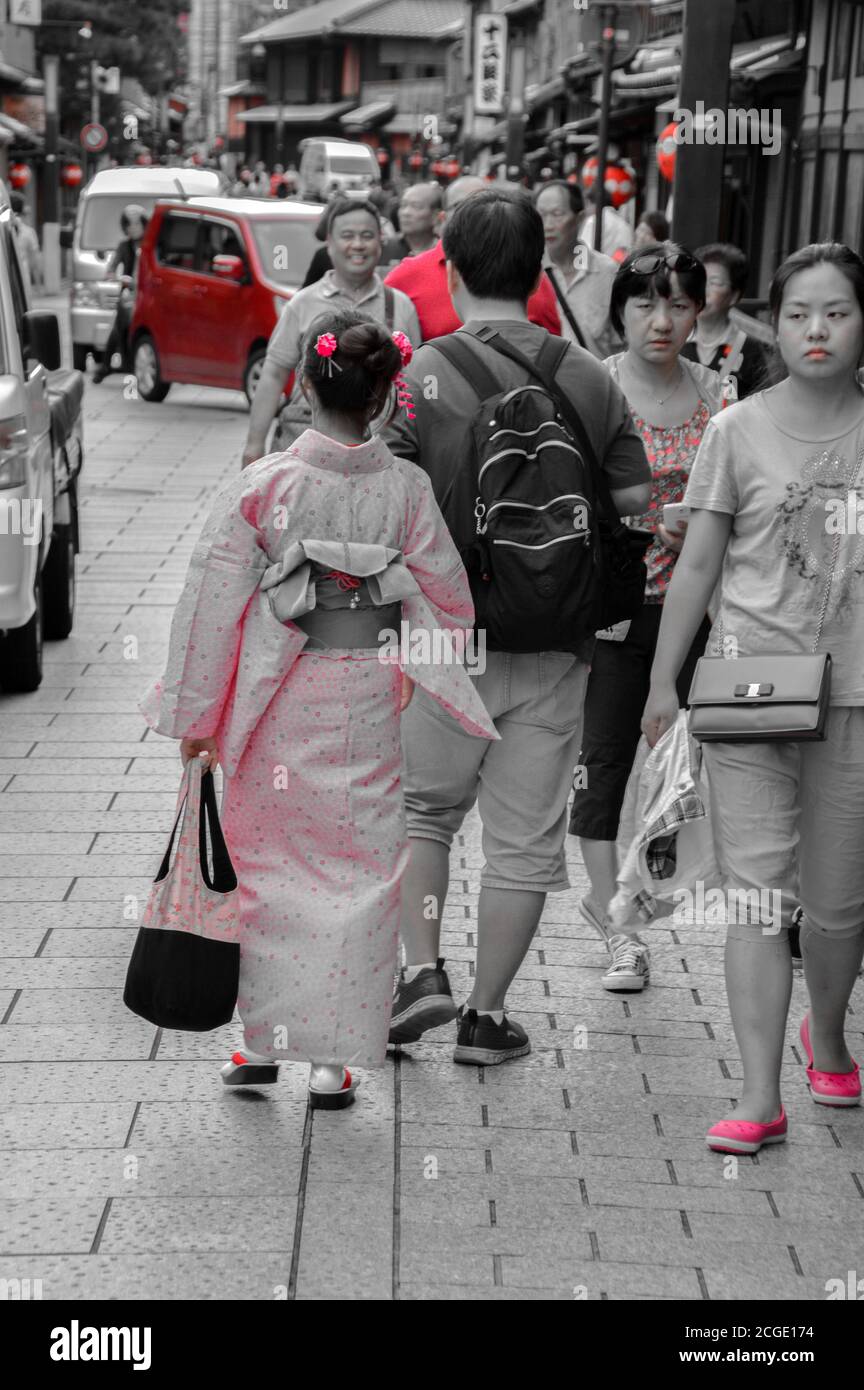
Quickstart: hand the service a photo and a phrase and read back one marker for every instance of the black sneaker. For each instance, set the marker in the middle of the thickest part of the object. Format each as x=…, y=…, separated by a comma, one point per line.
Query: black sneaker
x=482, y=1042
x=424, y=1002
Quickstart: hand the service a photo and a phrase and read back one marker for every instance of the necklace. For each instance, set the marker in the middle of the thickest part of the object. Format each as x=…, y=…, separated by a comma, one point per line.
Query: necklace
x=659, y=400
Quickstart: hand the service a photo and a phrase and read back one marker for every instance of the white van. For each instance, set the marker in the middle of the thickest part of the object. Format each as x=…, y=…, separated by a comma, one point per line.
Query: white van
x=97, y=231
x=326, y=165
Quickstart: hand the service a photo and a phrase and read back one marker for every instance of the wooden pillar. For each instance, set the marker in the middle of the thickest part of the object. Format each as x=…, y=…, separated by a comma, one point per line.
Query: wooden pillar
x=699, y=167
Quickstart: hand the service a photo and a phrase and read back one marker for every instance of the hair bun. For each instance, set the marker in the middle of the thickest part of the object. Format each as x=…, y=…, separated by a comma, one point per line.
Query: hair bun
x=370, y=346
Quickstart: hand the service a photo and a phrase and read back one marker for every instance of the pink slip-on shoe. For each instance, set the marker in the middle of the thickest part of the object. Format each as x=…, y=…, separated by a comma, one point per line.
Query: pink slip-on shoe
x=746, y=1136
x=830, y=1087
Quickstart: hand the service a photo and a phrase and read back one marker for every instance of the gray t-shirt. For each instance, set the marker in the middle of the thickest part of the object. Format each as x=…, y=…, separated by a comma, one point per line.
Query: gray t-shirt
x=788, y=497
x=445, y=404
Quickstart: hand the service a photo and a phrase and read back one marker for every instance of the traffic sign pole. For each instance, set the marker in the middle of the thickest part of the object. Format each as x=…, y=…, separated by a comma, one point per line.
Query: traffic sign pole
x=51, y=193
x=94, y=93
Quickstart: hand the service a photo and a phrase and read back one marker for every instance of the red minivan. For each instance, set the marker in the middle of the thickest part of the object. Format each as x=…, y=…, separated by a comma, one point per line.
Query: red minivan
x=213, y=276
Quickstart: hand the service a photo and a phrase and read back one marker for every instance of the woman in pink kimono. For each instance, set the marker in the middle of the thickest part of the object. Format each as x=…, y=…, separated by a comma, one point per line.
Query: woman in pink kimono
x=276, y=669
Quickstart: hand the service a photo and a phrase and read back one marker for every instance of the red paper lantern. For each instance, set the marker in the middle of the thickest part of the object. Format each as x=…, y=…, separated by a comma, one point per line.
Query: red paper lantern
x=620, y=181
x=19, y=175
x=453, y=168
x=144, y=158
x=383, y=157
x=667, y=150
x=71, y=175
x=415, y=161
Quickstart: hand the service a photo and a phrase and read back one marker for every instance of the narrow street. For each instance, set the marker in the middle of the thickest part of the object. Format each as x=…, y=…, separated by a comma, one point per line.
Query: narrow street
x=129, y=1171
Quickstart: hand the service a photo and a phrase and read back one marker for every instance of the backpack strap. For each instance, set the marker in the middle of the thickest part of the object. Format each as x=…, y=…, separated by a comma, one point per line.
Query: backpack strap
x=389, y=307
x=455, y=347
x=550, y=356
x=564, y=306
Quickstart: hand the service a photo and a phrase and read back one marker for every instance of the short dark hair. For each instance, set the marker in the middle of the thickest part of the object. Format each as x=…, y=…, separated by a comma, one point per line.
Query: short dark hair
x=342, y=205
x=496, y=241
x=573, y=191
x=16, y=201
x=366, y=357
x=657, y=223
x=629, y=284
x=732, y=257
x=818, y=253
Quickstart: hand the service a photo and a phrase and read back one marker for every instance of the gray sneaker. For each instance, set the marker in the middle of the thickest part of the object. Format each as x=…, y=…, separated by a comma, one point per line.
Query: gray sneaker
x=630, y=970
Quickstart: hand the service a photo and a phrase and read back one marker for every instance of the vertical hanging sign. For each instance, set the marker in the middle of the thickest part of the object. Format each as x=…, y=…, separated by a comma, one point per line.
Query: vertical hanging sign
x=490, y=63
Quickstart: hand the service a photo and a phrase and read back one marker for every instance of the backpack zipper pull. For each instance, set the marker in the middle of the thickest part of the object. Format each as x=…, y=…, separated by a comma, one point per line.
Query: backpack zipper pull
x=480, y=512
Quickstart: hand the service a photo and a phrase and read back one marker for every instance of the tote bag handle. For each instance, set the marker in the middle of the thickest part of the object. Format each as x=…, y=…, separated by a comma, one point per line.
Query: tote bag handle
x=197, y=799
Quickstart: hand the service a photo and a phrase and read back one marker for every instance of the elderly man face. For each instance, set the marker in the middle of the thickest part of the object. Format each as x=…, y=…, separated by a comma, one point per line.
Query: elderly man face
x=560, y=222
x=419, y=211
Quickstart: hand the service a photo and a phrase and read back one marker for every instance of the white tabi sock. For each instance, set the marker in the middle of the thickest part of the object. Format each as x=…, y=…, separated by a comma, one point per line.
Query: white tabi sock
x=327, y=1077
x=255, y=1056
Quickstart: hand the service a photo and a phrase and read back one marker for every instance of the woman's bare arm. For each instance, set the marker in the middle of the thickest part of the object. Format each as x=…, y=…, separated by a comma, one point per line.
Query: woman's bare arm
x=696, y=574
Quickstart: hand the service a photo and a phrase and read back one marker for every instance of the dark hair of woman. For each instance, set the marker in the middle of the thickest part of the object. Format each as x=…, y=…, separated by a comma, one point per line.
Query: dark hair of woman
x=818, y=253
x=356, y=378
x=630, y=283
x=657, y=223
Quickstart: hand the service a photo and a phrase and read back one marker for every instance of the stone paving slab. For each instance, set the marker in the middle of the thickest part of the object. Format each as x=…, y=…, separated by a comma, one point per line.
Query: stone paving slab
x=578, y=1172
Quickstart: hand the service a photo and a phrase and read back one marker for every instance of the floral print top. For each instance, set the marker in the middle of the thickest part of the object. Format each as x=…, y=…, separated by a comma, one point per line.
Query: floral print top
x=670, y=451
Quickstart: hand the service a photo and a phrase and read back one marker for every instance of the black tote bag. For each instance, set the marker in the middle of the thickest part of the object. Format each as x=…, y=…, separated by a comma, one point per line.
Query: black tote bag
x=185, y=965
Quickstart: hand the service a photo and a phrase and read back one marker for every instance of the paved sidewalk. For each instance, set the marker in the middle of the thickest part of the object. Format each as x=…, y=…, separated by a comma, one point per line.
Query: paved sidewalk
x=129, y=1171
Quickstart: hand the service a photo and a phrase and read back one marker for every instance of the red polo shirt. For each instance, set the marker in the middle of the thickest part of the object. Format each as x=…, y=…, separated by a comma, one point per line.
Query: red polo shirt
x=424, y=279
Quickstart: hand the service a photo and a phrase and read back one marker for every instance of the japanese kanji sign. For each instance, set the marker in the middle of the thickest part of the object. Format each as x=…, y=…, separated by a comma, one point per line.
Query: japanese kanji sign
x=490, y=63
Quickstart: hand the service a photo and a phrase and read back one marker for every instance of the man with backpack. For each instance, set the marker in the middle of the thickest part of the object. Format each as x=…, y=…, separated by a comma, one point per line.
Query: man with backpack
x=532, y=473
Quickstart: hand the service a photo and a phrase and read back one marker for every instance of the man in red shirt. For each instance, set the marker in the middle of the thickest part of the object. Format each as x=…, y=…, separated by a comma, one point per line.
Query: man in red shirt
x=424, y=279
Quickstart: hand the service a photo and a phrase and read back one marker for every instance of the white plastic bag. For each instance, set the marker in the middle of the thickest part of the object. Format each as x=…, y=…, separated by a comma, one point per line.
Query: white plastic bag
x=667, y=782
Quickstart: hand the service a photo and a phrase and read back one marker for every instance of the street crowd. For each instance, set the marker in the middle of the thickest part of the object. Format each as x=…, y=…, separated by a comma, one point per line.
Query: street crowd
x=473, y=396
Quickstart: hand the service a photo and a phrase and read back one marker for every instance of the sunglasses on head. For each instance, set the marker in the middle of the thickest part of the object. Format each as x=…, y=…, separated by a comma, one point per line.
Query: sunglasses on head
x=649, y=264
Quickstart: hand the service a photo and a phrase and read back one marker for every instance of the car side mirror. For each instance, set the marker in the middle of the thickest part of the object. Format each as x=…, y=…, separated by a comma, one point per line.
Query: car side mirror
x=42, y=339
x=67, y=234
x=229, y=268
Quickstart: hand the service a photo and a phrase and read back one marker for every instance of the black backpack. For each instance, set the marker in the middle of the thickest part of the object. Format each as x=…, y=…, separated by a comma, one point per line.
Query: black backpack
x=547, y=568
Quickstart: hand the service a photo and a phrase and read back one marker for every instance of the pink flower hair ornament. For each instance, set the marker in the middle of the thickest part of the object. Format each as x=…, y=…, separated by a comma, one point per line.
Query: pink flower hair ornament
x=403, y=343
x=325, y=347
x=403, y=395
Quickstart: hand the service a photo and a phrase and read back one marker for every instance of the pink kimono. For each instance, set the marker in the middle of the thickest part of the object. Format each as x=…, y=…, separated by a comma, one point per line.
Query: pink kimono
x=310, y=740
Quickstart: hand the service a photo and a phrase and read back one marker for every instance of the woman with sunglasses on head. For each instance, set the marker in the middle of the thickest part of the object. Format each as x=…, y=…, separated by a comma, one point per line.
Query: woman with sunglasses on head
x=770, y=493
x=656, y=296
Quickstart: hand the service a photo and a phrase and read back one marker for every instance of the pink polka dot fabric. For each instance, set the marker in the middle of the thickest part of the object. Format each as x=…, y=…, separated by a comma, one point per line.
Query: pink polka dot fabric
x=310, y=742
x=316, y=827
